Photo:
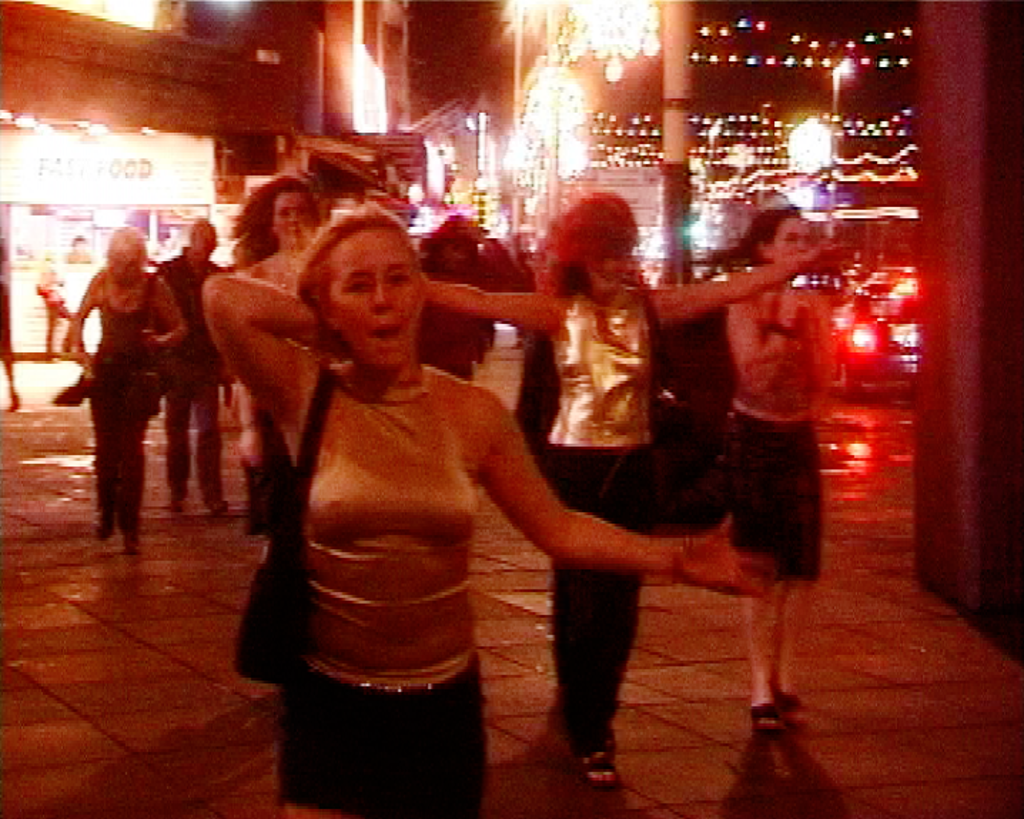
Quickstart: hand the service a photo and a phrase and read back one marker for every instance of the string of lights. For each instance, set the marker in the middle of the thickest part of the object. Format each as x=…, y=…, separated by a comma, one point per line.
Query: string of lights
x=884, y=62
x=732, y=126
x=746, y=26
x=742, y=140
x=753, y=44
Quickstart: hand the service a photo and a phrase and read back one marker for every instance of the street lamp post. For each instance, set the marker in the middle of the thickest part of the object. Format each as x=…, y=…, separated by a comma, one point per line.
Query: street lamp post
x=843, y=69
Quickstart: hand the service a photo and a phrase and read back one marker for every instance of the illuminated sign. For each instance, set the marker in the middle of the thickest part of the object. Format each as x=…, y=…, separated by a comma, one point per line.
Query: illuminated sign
x=69, y=168
x=137, y=13
x=100, y=170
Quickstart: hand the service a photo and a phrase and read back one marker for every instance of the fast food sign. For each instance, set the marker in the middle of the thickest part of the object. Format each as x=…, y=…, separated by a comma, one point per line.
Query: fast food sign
x=70, y=168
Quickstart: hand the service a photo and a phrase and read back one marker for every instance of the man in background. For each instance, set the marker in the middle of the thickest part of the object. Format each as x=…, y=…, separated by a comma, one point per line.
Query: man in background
x=195, y=373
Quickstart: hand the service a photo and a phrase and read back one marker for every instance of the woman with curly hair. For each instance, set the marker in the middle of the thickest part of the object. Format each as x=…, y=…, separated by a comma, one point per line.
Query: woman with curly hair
x=272, y=231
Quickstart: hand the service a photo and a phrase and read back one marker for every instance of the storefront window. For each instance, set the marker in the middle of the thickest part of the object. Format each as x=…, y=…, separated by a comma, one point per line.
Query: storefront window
x=64, y=194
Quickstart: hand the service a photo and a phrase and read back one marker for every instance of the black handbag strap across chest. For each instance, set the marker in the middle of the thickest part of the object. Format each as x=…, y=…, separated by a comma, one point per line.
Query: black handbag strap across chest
x=309, y=444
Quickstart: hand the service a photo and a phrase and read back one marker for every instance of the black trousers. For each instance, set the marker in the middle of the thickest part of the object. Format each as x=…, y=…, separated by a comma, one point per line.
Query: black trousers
x=596, y=612
x=197, y=400
x=119, y=427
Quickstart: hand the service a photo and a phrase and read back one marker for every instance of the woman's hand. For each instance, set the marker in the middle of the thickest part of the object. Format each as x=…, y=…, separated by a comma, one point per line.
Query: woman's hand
x=250, y=447
x=711, y=562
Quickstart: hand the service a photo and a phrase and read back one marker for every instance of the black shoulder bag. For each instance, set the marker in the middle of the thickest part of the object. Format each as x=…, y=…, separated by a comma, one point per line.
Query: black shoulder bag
x=273, y=633
x=150, y=383
x=691, y=391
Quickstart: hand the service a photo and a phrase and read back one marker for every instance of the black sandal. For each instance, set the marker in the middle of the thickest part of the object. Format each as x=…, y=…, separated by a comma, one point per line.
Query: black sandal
x=599, y=771
x=766, y=718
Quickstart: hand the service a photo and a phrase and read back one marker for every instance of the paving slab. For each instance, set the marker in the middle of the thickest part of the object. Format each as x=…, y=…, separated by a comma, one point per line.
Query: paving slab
x=120, y=698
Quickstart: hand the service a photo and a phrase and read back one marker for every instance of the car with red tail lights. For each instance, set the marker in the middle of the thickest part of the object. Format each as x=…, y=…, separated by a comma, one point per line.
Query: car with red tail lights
x=878, y=335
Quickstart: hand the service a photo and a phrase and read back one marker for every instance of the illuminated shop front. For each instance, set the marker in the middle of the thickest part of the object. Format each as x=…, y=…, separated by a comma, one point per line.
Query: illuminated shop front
x=63, y=191
x=145, y=14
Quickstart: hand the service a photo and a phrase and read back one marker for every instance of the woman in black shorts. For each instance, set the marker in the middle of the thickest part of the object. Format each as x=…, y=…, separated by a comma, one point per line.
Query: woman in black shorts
x=780, y=345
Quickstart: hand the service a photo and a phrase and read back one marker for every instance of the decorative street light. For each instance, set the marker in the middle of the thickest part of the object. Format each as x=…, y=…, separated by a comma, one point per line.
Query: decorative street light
x=547, y=144
x=810, y=146
x=612, y=31
x=810, y=152
x=843, y=69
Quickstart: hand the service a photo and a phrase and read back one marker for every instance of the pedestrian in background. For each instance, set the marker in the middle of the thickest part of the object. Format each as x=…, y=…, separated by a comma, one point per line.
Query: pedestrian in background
x=781, y=345
x=386, y=722
x=6, y=351
x=449, y=340
x=50, y=288
x=596, y=433
x=138, y=316
x=195, y=373
x=273, y=230
x=79, y=252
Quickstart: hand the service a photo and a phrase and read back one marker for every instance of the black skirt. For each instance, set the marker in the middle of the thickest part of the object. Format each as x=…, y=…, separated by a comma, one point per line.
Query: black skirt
x=384, y=755
x=775, y=486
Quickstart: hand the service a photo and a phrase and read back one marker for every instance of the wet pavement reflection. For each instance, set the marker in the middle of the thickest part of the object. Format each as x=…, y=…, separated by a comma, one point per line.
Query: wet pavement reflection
x=867, y=457
x=120, y=698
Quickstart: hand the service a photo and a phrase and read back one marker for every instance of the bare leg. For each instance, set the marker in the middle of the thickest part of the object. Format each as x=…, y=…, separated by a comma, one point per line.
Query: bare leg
x=759, y=614
x=793, y=601
x=9, y=370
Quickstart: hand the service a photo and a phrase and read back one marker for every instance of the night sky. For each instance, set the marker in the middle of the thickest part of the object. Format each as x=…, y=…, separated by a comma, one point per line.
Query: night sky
x=462, y=49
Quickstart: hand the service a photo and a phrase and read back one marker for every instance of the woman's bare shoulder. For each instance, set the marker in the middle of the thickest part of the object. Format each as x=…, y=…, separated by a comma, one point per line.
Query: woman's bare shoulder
x=464, y=397
x=475, y=413
x=259, y=270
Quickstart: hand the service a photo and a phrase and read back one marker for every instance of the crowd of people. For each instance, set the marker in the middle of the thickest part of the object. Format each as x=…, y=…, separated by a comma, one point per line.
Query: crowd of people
x=385, y=718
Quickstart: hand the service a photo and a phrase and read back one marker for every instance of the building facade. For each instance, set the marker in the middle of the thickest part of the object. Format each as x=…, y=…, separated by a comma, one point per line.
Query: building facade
x=157, y=112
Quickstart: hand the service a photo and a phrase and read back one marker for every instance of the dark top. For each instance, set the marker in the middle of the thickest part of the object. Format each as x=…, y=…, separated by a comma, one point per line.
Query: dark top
x=122, y=337
x=197, y=353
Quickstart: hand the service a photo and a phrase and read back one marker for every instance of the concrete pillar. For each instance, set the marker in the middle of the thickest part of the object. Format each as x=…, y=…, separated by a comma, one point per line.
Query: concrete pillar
x=677, y=24
x=968, y=497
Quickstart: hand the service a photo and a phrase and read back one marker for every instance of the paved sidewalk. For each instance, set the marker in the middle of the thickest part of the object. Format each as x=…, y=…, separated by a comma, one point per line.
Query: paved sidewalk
x=119, y=699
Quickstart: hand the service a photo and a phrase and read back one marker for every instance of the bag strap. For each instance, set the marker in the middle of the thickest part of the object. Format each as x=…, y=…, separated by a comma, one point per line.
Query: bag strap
x=150, y=299
x=661, y=364
x=309, y=445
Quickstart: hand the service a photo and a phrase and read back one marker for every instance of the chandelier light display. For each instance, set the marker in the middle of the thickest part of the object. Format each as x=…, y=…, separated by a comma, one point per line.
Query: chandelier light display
x=611, y=31
x=550, y=142
x=553, y=119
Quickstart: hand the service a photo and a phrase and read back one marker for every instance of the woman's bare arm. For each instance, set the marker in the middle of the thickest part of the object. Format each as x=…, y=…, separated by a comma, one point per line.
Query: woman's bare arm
x=530, y=311
x=266, y=337
x=168, y=316
x=690, y=301
x=90, y=301
x=511, y=477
